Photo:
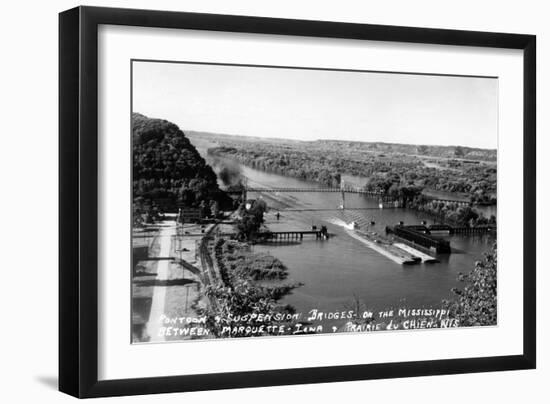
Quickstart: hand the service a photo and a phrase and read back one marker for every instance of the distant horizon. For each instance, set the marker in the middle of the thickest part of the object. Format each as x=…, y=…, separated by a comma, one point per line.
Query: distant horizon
x=312, y=104
x=186, y=131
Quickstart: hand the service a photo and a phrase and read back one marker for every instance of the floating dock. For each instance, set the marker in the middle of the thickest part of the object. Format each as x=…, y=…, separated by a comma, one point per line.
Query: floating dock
x=424, y=257
x=395, y=254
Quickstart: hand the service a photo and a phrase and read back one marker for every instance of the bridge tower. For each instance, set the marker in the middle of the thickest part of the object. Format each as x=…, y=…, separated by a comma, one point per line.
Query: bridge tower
x=342, y=188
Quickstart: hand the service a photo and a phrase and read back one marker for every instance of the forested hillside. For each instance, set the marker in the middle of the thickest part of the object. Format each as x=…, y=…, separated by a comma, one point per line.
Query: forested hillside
x=166, y=166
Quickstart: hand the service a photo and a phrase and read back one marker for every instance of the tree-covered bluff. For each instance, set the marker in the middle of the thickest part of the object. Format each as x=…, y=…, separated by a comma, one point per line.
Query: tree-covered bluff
x=167, y=167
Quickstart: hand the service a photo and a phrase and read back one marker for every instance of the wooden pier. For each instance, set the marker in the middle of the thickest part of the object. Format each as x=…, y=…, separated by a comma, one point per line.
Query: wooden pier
x=296, y=235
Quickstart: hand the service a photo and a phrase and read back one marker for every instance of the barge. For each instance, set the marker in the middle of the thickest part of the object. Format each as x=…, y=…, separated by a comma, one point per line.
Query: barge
x=383, y=246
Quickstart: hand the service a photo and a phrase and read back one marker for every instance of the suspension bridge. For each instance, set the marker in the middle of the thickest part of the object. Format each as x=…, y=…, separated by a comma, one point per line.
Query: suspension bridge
x=343, y=189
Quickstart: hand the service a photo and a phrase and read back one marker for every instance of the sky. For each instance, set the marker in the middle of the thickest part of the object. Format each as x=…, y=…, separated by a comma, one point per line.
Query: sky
x=306, y=104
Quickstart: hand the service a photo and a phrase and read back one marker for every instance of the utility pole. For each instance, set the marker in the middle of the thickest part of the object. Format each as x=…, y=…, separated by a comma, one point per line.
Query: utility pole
x=244, y=184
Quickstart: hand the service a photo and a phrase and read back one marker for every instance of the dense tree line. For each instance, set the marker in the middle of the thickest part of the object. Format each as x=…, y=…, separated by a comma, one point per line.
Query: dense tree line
x=413, y=198
x=433, y=151
x=168, y=168
x=451, y=213
x=325, y=161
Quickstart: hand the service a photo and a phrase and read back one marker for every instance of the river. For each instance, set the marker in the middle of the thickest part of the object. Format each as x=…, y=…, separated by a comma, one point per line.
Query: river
x=337, y=271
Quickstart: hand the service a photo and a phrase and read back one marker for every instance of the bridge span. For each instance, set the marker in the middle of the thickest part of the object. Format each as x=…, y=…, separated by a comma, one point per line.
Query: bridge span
x=349, y=190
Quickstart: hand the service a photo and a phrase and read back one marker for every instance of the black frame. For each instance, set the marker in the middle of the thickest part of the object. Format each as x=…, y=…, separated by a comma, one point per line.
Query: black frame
x=78, y=175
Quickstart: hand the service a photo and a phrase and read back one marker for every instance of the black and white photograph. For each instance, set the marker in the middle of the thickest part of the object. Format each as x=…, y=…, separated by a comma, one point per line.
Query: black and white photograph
x=272, y=201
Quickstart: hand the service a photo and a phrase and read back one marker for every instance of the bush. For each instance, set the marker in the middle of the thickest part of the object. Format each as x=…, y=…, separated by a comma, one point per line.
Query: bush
x=476, y=303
